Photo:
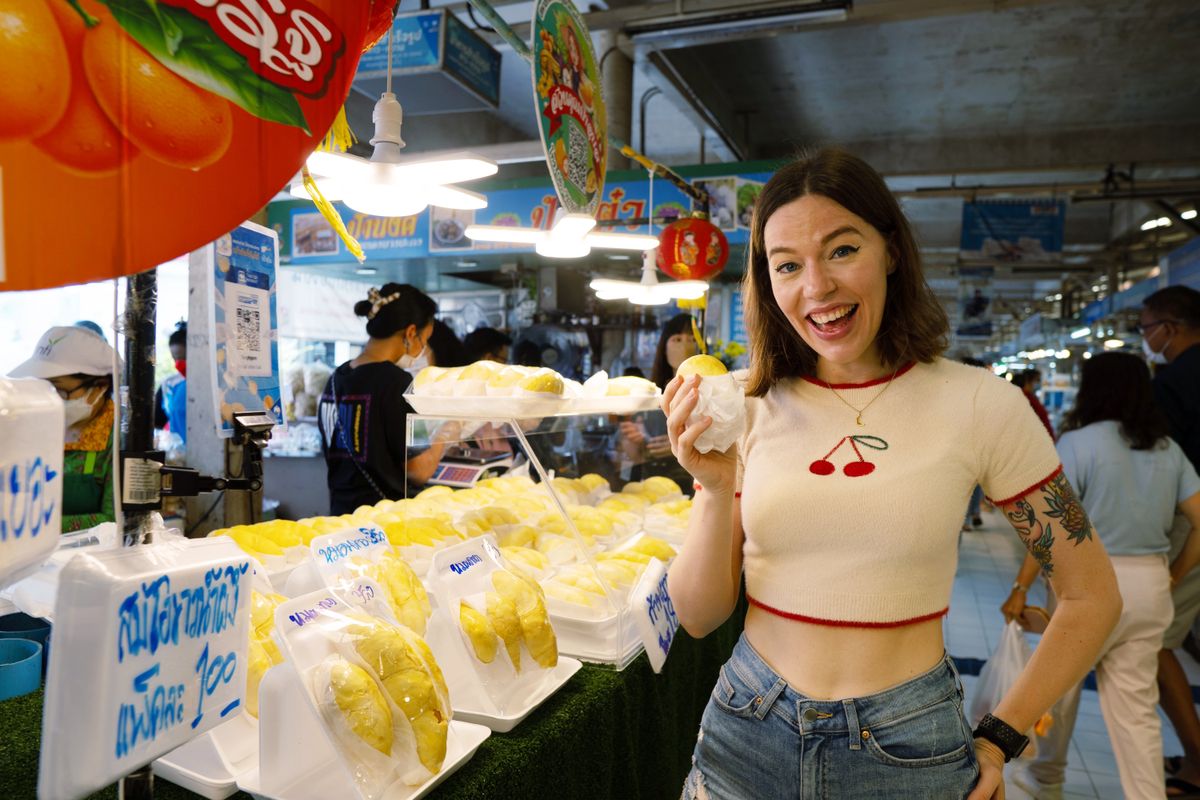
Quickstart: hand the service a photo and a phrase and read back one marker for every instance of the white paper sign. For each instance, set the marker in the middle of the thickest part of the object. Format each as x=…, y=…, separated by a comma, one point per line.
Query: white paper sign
x=31, y=465
x=654, y=614
x=149, y=652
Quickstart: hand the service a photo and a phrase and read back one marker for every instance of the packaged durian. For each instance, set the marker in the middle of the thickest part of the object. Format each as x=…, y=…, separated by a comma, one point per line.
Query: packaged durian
x=263, y=652
x=380, y=693
x=494, y=633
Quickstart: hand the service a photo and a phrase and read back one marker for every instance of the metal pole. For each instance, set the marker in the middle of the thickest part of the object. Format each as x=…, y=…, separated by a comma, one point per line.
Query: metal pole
x=141, y=303
x=502, y=29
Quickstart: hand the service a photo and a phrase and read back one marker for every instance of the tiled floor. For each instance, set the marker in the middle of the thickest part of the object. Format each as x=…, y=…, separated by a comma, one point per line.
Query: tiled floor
x=988, y=562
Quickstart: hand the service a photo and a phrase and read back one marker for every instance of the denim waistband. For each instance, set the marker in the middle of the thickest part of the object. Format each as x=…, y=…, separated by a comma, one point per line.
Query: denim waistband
x=851, y=714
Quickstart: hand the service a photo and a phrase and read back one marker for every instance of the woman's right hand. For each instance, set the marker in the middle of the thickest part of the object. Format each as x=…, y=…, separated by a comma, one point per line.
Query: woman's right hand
x=715, y=472
x=1014, y=606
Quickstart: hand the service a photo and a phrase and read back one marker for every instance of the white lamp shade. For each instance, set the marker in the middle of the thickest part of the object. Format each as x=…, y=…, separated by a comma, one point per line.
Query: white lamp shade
x=505, y=233
x=622, y=241
x=552, y=247
x=383, y=200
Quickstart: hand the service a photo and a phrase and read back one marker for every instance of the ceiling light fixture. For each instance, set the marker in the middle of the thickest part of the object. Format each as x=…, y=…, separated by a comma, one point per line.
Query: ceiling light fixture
x=1191, y=214
x=1113, y=344
x=388, y=185
x=648, y=291
x=1081, y=333
x=571, y=237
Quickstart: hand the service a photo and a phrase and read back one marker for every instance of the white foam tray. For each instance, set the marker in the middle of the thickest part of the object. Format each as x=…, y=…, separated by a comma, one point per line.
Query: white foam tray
x=503, y=723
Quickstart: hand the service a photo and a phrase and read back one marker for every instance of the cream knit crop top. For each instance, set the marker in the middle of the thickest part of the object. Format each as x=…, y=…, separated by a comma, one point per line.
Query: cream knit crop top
x=849, y=525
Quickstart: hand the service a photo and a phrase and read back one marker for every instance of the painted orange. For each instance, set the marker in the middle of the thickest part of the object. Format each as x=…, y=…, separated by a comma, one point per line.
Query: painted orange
x=85, y=139
x=60, y=228
x=166, y=116
x=36, y=72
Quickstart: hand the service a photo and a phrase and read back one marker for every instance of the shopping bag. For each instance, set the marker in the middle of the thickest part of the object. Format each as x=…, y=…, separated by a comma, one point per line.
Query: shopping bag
x=999, y=674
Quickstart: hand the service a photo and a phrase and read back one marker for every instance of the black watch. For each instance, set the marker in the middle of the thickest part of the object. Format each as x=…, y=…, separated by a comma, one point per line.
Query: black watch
x=1000, y=733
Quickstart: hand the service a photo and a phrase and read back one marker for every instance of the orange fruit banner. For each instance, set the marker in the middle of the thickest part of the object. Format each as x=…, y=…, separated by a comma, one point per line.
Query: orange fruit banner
x=134, y=131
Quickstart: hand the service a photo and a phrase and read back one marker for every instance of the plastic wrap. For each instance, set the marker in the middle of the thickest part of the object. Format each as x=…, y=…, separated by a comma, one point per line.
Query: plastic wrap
x=722, y=398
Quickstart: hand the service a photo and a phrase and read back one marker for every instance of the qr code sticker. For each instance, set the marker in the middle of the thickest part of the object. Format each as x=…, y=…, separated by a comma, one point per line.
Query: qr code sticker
x=578, y=157
x=248, y=340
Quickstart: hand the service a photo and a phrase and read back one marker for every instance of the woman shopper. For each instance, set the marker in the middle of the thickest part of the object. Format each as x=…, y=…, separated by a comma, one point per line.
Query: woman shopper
x=79, y=362
x=1131, y=478
x=363, y=414
x=842, y=504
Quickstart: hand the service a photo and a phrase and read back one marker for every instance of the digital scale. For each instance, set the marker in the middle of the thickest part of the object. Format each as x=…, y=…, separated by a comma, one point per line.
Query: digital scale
x=462, y=468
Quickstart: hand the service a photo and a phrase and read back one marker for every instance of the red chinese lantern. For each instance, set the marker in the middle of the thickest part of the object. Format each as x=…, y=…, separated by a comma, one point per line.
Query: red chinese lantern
x=692, y=248
x=379, y=23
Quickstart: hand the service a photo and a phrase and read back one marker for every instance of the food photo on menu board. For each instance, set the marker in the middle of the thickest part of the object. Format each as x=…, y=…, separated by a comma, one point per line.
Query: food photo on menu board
x=448, y=228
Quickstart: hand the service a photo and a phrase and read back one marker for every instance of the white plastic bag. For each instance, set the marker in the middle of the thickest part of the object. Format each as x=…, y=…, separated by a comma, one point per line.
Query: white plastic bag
x=999, y=674
x=723, y=399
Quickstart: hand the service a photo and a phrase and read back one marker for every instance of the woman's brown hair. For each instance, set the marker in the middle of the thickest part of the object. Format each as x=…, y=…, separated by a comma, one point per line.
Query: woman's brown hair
x=914, y=326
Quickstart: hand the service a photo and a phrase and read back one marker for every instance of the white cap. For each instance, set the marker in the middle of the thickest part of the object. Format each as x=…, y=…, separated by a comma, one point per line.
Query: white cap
x=67, y=350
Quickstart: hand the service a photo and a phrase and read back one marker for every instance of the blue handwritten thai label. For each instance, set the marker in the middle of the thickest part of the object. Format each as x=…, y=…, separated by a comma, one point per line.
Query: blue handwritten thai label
x=29, y=494
x=155, y=616
x=304, y=616
x=332, y=549
x=459, y=567
x=655, y=614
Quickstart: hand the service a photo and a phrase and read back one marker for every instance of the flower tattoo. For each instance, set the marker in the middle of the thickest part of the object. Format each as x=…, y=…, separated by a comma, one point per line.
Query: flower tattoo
x=1037, y=533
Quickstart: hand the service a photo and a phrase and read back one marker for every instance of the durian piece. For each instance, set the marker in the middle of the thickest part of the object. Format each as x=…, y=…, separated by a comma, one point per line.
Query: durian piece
x=262, y=622
x=622, y=574
x=501, y=382
x=526, y=557
x=366, y=711
x=408, y=599
x=581, y=578
x=434, y=491
x=411, y=677
x=502, y=613
x=431, y=380
x=633, y=556
x=660, y=486
x=655, y=548
x=480, y=371
x=479, y=631
x=592, y=482
x=544, y=381
x=527, y=596
x=257, y=664
x=570, y=594
x=631, y=385
x=523, y=536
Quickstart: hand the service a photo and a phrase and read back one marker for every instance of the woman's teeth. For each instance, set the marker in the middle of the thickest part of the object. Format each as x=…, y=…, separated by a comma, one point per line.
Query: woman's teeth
x=830, y=316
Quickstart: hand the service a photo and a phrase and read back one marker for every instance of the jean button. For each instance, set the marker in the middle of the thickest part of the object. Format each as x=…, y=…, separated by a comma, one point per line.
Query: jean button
x=810, y=714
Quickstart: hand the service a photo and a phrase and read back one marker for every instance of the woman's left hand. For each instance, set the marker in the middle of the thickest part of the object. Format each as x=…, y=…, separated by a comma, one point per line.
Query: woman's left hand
x=991, y=772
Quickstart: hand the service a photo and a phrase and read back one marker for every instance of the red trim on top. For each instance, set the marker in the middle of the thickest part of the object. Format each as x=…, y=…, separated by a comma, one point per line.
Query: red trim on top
x=837, y=623
x=866, y=385
x=1033, y=488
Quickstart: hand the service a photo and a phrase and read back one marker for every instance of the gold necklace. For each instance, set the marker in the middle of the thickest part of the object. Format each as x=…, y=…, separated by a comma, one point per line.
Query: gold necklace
x=856, y=409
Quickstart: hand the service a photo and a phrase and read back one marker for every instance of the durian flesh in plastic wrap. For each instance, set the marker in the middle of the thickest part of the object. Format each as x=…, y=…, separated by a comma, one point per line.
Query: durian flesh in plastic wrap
x=527, y=596
x=408, y=599
x=479, y=632
x=366, y=711
x=655, y=548
x=412, y=678
x=502, y=613
x=263, y=653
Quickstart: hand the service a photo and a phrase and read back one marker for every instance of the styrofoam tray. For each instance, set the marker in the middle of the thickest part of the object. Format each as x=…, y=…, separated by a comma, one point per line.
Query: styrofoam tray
x=462, y=740
x=504, y=723
x=488, y=407
x=209, y=764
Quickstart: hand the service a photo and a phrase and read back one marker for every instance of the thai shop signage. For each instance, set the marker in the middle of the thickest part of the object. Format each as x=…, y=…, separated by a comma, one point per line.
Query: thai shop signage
x=1012, y=231
x=439, y=65
x=570, y=105
x=974, y=303
x=1183, y=265
x=306, y=238
x=1031, y=331
x=159, y=125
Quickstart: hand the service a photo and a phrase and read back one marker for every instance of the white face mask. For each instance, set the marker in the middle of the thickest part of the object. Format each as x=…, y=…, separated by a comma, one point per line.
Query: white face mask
x=77, y=409
x=414, y=363
x=1153, y=357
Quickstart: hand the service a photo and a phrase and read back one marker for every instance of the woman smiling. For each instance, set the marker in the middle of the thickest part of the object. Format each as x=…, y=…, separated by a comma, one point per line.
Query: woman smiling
x=842, y=505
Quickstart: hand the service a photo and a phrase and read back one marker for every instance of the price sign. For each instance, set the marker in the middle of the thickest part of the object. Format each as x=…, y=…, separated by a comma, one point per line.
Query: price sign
x=31, y=465
x=149, y=652
x=654, y=614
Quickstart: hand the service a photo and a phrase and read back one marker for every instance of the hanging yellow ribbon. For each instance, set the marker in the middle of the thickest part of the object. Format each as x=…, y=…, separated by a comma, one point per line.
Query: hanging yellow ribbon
x=340, y=137
x=331, y=215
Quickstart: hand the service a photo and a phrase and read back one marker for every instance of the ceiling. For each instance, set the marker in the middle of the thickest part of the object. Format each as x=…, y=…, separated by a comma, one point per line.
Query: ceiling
x=949, y=99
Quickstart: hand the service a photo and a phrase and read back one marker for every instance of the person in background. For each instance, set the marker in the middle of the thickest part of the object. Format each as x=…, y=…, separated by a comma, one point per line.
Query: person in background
x=1030, y=382
x=487, y=344
x=362, y=415
x=445, y=349
x=1131, y=478
x=79, y=363
x=974, y=518
x=170, y=401
x=1170, y=325
x=527, y=354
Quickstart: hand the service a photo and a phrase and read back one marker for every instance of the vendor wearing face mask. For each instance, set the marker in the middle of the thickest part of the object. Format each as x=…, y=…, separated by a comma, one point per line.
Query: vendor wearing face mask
x=79, y=363
x=362, y=415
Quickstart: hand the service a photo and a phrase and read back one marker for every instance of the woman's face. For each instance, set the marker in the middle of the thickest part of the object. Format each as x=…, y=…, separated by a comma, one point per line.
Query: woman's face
x=828, y=270
x=680, y=347
x=91, y=390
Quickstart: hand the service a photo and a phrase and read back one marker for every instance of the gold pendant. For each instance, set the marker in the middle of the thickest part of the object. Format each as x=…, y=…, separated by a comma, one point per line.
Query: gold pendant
x=858, y=419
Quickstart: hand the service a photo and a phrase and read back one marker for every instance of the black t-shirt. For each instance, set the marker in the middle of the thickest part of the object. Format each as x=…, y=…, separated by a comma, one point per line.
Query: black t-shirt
x=1177, y=392
x=366, y=435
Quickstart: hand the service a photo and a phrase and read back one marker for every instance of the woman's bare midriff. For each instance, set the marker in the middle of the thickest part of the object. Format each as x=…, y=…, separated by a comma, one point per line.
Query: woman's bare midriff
x=827, y=662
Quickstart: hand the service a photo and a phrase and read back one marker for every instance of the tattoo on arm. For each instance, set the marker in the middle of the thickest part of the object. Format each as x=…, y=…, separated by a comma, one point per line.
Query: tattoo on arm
x=1038, y=533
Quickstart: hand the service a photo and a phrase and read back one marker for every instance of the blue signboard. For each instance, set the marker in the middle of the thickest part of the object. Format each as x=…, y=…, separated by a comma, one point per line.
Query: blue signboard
x=1013, y=231
x=1096, y=310
x=306, y=238
x=1183, y=265
x=737, y=319
x=473, y=61
x=416, y=45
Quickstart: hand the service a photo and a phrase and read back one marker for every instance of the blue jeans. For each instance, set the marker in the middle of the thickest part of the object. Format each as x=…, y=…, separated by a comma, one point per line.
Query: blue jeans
x=761, y=740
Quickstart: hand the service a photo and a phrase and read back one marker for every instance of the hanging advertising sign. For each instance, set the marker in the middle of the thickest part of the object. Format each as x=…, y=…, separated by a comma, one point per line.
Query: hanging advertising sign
x=1013, y=231
x=245, y=355
x=570, y=106
x=135, y=131
x=974, y=303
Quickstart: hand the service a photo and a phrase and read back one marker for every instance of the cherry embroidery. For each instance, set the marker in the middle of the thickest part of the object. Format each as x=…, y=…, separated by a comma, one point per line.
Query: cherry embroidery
x=854, y=469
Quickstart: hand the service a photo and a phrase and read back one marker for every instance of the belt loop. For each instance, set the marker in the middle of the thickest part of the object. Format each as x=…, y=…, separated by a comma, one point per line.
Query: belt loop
x=768, y=700
x=852, y=724
x=958, y=684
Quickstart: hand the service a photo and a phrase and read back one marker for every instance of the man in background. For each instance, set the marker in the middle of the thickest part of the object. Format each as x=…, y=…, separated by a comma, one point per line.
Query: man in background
x=170, y=401
x=487, y=344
